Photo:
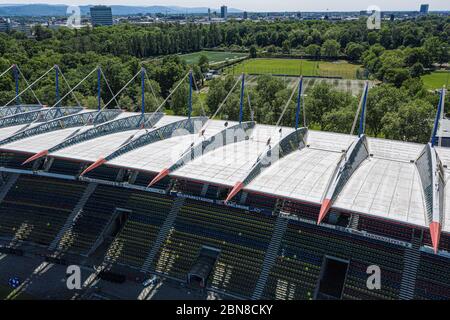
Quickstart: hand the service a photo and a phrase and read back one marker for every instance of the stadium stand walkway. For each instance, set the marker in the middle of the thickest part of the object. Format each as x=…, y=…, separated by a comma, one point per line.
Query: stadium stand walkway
x=163, y=232
x=12, y=178
x=73, y=216
x=35, y=208
x=271, y=255
x=411, y=262
x=241, y=237
x=146, y=220
x=88, y=229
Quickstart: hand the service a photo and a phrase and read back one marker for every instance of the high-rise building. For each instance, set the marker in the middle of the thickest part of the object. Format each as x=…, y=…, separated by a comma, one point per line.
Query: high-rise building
x=209, y=14
x=101, y=16
x=424, y=8
x=223, y=12
x=5, y=25
x=245, y=15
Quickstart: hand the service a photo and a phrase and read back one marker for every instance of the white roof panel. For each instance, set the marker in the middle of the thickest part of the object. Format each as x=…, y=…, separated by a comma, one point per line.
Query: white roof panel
x=302, y=175
x=43, y=141
x=394, y=150
x=329, y=140
x=162, y=154
x=232, y=163
x=387, y=189
x=92, y=150
x=9, y=131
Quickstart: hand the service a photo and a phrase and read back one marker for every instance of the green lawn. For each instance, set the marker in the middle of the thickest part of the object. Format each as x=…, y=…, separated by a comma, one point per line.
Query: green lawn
x=295, y=67
x=213, y=56
x=436, y=80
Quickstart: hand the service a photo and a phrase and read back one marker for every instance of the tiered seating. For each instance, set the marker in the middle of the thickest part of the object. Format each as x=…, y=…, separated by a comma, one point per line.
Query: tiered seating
x=433, y=278
x=212, y=192
x=241, y=236
x=14, y=160
x=36, y=208
x=444, y=243
x=375, y=226
x=104, y=173
x=190, y=187
x=296, y=272
x=94, y=218
x=143, y=179
x=260, y=201
x=302, y=210
x=133, y=244
x=65, y=167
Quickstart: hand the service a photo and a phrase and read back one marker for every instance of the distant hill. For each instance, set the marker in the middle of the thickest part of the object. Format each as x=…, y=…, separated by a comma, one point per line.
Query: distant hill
x=37, y=10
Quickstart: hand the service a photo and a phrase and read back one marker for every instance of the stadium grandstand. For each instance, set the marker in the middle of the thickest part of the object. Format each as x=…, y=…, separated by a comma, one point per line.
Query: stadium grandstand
x=247, y=210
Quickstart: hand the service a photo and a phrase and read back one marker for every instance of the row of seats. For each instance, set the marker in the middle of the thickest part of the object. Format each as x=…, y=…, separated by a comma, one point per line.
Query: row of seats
x=14, y=160
x=94, y=218
x=433, y=277
x=301, y=210
x=301, y=257
x=65, y=167
x=375, y=226
x=242, y=238
x=135, y=240
x=143, y=179
x=260, y=201
x=36, y=208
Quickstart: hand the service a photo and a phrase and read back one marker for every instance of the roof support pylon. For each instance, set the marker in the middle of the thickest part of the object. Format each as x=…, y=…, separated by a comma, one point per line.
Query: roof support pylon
x=16, y=80
x=439, y=113
x=191, y=81
x=142, y=91
x=297, y=111
x=241, y=106
x=99, y=89
x=57, y=85
x=362, y=120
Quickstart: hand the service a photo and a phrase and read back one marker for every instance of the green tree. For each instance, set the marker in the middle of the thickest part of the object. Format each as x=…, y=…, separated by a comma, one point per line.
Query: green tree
x=253, y=52
x=354, y=51
x=286, y=46
x=412, y=122
x=203, y=63
x=330, y=48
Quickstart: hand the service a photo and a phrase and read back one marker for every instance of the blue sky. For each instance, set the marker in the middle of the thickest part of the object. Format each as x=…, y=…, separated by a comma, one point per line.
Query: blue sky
x=258, y=5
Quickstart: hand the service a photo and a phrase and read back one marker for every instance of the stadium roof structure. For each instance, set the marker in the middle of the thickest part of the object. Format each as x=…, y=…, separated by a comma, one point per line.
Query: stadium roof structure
x=381, y=178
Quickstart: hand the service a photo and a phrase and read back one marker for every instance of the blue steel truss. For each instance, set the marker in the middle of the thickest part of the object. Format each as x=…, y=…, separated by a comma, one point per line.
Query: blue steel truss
x=40, y=115
x=190, y=126
x=227, y=136
x=109, y=127
x=11, y=110
x=70, y=121
x=296, y=140
x=431, y=175
x=351, y=160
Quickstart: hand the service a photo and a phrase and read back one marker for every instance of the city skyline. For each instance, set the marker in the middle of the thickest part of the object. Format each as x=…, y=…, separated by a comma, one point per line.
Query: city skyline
x=254, y=5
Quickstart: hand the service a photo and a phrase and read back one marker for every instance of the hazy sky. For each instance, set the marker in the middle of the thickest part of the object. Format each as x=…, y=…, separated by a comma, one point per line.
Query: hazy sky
x=264, y=5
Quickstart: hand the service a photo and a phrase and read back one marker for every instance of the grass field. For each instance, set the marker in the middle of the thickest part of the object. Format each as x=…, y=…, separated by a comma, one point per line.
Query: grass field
x=295, y=67
x=436, y=80
x=213, y=56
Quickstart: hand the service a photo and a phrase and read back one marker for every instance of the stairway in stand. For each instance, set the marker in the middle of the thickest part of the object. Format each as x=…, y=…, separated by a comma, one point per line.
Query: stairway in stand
x=73, y=216
x=163, y=232
x=271, y=256
x=411, y=261
x=8, y=185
